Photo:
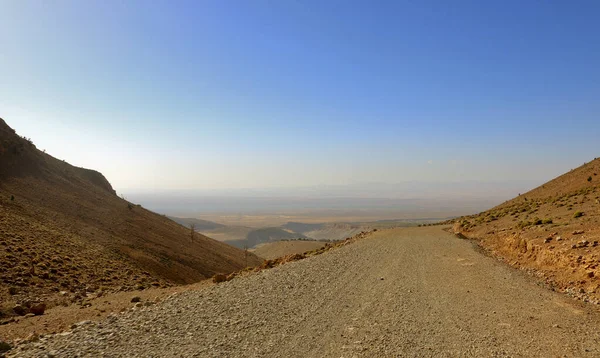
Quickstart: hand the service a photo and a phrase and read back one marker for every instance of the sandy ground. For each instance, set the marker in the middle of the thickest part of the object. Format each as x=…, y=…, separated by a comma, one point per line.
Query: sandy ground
x=417, y=292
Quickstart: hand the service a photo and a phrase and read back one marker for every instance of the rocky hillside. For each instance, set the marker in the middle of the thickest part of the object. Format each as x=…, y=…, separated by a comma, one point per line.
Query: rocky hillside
x=64, y=231
x=553, y=230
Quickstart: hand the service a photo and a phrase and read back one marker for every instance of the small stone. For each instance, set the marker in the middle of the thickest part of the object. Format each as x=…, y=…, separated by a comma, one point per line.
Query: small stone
x=29, y=315
x=32, y=338
x=82, y=323
x=136, y=299
x=578, y=232
x=218, y=278
x=20, y=310
x=555, y=326
x=38, y=309
x=12, y=290
x=547, y=240
x=381, y=278
x=139, y=304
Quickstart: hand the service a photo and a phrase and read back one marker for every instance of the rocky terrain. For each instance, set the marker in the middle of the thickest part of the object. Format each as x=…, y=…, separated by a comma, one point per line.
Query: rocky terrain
x=552, y=231
x=65, y=236
x=417, y=292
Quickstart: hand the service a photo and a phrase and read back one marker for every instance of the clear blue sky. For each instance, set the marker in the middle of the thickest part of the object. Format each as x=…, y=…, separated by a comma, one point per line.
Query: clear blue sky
x=252, y=94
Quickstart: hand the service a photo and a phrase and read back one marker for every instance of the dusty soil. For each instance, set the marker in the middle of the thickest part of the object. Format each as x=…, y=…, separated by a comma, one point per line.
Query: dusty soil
x=274, y=250
x=417, y=292
x=552, y=231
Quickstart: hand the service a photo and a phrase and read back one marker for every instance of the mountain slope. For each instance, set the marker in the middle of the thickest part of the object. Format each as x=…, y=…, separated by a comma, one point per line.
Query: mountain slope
x=553, y=229
x=64, y=228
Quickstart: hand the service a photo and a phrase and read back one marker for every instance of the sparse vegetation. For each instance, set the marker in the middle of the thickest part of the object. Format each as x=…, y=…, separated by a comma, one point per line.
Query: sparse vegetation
x=578, y=214
x=29, y=141
x=589, y=178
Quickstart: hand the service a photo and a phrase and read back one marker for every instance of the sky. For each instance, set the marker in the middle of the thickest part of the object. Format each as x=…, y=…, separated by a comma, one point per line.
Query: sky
x=217, y=95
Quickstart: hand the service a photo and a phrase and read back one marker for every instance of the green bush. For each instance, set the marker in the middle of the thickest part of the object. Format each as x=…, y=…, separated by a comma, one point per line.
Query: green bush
x=578, y=214
x=524, y=224
x=547, y=221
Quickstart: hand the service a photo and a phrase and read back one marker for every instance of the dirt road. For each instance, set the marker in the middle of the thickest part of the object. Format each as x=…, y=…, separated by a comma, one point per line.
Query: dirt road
x=400, y=293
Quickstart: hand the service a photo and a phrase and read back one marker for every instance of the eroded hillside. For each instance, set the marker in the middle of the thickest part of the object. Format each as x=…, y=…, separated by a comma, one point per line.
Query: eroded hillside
x=63, y=229
x=553, y=230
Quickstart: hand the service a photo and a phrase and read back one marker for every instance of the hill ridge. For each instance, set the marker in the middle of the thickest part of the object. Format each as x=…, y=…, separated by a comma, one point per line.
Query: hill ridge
x=63, y=228
x=552, y=230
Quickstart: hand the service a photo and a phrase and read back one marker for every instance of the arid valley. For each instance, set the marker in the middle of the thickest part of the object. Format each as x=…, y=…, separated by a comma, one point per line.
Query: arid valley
x=311, y=179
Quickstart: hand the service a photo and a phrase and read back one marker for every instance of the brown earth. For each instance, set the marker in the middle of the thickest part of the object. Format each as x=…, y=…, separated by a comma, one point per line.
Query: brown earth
x=552, y=231
x=61, y=318
x=65, y=236
x=412, y=292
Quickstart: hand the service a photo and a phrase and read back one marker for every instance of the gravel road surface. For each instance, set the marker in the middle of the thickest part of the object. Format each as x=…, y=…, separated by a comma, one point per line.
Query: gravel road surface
x=400, y=293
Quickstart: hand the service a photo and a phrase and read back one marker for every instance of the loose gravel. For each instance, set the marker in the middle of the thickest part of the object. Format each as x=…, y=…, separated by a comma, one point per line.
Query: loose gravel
x=399, y=293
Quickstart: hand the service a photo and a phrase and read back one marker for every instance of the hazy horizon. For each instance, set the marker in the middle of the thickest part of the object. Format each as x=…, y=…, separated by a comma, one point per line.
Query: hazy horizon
x=244, y=97
x=367, y=201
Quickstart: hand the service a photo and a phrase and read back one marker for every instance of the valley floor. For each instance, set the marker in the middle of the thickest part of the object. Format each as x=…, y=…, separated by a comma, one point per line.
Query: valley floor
x=403, y=292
